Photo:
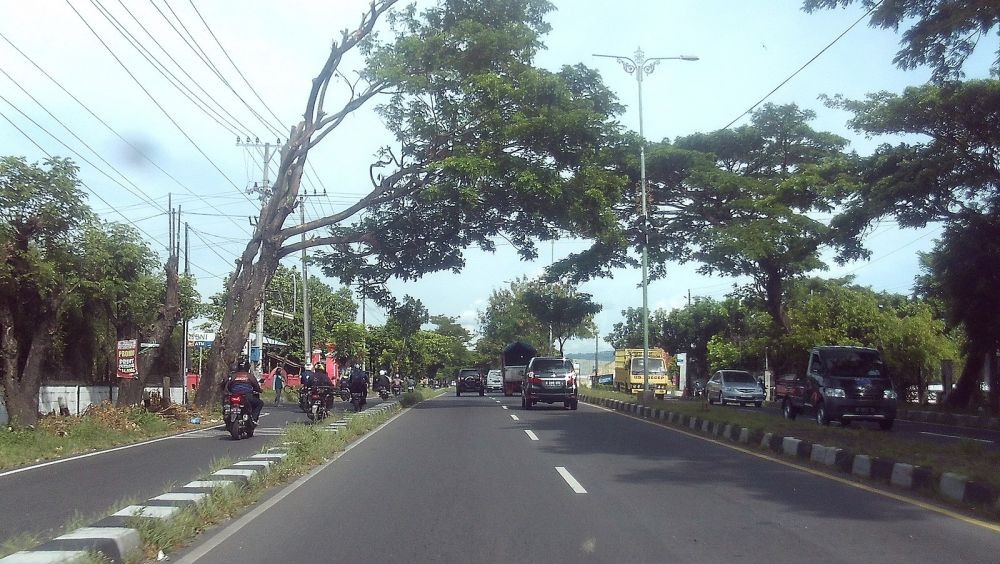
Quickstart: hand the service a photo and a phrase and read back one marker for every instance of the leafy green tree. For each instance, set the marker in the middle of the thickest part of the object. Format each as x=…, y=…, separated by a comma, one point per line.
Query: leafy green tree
x=567, y=312
x=484, y=144
x=949, y=174
x=506, y=319
x=942, y=34
x=449, y=327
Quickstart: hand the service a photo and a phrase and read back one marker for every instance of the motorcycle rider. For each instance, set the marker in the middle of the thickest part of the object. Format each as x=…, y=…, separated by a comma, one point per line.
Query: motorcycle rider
x=359, y=383
x=397, y=384
x=321, y=379
x=241, y=382
x=382, y=382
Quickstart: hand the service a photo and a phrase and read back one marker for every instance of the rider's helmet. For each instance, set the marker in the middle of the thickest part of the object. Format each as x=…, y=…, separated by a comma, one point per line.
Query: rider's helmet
x=381, y=372
x=309, y=366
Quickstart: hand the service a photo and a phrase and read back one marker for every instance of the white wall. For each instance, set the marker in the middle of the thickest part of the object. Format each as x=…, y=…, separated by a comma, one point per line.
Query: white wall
x=79, y=398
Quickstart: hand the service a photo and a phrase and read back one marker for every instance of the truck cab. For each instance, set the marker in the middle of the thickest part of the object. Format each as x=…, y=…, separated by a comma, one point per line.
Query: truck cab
x=841, y=384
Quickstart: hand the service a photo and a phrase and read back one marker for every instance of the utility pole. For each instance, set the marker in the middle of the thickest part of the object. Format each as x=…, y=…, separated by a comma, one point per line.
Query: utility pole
x=306, y=329
x=364, y=325
x=689, y=297
x=185, y=360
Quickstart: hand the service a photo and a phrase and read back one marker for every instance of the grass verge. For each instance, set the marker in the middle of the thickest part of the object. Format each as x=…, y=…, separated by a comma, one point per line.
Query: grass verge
x=966, y=457
x=102, y=426
x=309, y=446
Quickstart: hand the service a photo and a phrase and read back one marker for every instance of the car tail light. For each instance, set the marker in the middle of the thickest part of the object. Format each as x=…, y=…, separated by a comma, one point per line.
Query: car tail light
x=315, y=395
x=235, y=400
x=535, y=380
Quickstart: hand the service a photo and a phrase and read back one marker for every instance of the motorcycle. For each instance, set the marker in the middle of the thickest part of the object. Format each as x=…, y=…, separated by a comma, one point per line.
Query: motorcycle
x=357, y=400
x=319, y=402
x=304, y=399
x=409, y=388
x=238, y=416
x=397, y=389
x=383, y=393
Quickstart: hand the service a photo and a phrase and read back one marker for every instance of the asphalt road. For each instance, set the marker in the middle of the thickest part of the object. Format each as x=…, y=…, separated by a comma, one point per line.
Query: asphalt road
x=41, y=500
x=462, y=480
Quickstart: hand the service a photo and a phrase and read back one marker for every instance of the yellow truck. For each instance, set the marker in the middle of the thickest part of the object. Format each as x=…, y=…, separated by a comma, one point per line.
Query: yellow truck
x=628, y=371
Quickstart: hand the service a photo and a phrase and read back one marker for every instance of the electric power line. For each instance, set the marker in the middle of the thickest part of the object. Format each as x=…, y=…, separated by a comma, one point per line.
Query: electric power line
x=807, y=63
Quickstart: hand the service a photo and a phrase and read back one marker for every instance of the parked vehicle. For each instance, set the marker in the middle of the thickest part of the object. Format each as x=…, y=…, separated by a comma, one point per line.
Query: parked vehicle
x=238, y=416
x=629, y=374
x=470, y=380
x=698, y=387
x=513, y=361
x=734, y=386
x=841, y=384
x=549, y=380
x=494, y=381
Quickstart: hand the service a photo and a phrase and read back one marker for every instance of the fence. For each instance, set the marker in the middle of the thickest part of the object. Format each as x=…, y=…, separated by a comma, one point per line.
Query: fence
x=78, y=398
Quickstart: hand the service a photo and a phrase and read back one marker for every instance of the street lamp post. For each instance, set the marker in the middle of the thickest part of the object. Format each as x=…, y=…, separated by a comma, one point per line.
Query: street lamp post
x=639, y=66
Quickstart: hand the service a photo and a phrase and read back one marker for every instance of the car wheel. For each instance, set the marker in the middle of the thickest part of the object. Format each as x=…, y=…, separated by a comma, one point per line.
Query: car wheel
x=758, y=403
x=886, y=424
x=565, y=405
x=787, y=410
x=822, y=417
x=574, y=405
x=522, y=402
x=708, y=396
x=482, y=393
x=458, y=393
x=845, y=422
x=722, y=400
x=527, y=404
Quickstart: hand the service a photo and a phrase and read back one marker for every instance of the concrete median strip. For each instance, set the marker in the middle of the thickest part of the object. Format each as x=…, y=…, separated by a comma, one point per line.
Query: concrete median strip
x=901, y=475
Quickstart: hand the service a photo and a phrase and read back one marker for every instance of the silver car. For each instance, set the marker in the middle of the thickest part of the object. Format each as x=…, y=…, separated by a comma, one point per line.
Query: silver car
x=494, y=381
x=734, y=386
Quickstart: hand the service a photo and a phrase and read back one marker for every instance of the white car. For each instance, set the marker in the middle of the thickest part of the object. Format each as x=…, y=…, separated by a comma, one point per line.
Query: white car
x=494, y=381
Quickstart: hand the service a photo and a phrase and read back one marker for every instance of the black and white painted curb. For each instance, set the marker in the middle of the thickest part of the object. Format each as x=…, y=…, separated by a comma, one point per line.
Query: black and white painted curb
x=984, y=421
x=918, y=479
x=114, y=540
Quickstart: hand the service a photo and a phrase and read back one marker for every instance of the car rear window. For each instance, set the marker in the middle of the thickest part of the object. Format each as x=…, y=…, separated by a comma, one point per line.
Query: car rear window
x=739, y=377
x=467, y=373
x=555, y=365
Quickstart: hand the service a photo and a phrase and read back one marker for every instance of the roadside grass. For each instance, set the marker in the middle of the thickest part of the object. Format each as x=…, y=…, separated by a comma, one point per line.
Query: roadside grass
x=966, y=457
x=308, y=446
x=103, y=426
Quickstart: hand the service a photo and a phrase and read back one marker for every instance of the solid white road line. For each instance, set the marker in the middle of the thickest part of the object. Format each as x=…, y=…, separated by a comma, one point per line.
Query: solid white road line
x=531, y=434
x=955, y=437
x=577, y=488
x=514, y=417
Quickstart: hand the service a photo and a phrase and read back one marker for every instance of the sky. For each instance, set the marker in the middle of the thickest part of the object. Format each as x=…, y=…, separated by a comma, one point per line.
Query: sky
x=170, y=149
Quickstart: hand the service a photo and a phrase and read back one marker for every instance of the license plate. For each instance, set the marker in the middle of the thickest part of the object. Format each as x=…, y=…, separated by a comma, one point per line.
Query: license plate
x=226, y=408
x=556, y=384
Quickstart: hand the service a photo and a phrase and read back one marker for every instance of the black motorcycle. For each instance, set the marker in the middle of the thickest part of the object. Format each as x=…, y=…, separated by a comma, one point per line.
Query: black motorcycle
x=383, y=393
x=319, y=403
x=397, y=389
x=304, y=399
x=238, y=415
x=358, y=401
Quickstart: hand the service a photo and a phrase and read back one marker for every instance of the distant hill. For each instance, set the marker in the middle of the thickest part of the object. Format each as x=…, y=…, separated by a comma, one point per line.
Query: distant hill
x=602, y=356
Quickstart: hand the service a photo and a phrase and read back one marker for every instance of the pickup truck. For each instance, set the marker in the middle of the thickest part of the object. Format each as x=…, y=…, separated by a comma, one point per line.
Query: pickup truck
x=841, y=384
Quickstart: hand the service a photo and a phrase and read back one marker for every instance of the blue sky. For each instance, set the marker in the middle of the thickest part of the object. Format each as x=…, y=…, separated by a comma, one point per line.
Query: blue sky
x=745, y=50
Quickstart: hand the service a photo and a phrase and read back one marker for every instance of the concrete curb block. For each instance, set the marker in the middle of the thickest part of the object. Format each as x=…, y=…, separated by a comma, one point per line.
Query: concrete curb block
x=898, y=474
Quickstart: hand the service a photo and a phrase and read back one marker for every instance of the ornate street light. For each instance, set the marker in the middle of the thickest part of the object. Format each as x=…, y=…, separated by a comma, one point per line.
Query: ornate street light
x=639, y=65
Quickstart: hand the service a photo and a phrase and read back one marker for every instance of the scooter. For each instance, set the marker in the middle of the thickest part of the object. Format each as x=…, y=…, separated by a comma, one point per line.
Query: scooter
x=383, y=393
x=238, y=416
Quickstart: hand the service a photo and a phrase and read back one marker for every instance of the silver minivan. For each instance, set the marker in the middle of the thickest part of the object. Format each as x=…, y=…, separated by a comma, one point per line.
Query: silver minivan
x=734, y=386
x=494, y=381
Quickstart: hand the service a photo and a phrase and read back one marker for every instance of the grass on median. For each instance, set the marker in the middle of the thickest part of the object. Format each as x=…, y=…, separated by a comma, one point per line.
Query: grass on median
x=102, y=426
x=966, y=457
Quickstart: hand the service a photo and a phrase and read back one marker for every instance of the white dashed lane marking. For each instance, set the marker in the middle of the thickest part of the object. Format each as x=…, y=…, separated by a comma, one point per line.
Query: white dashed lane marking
x=514, y=417
x=577, y=488
x=504, y=406
x=531, y=434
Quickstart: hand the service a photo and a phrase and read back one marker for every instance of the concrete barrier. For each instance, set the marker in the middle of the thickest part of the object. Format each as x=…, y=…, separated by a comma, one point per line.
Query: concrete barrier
x=862, y=465
x=952, y=486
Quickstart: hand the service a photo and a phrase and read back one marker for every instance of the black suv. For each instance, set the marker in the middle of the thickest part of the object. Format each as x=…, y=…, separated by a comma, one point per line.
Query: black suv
x=469, y=380
x=549, y=380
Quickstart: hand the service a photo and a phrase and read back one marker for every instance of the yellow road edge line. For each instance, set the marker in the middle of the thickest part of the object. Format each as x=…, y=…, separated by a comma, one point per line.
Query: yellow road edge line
x=892, y=495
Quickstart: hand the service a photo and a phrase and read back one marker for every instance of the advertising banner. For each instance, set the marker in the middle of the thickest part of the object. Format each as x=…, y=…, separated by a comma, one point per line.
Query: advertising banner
x=128, y=359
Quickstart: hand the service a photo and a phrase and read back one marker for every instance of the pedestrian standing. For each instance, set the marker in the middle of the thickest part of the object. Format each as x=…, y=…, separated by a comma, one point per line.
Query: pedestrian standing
x=279, y=384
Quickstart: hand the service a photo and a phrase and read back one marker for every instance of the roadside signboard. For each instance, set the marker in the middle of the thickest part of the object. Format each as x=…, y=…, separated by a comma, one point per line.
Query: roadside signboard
x=128, y=359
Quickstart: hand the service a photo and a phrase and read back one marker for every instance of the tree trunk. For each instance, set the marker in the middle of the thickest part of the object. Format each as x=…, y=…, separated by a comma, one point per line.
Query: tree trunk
x=994, y=380
x=968, y=382
x=21, y=383
x=130, y=391
x=774, y=301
